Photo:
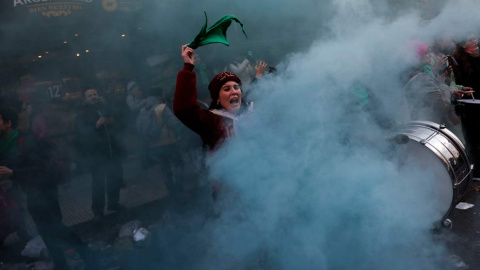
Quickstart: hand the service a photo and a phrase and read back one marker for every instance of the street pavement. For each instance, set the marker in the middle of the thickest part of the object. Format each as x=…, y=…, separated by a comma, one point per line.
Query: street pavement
x=463, y=239
x=148, y=201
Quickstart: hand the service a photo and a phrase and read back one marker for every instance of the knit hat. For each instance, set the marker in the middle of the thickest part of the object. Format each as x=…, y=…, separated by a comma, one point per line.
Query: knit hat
x=420, y=48
x=218, y=81
x=130, y=86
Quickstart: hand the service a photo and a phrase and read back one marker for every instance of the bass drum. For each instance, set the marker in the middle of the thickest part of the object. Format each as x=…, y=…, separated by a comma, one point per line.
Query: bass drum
x=439, y=151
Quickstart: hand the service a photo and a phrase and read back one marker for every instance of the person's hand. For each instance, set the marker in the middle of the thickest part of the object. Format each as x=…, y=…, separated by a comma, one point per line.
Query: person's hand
x=468, y=91
x=445, y=74
x=187, y=55
x=108, y=120
x=457, y=94
x=260, y=69
x=100, y=122
x=5, y=173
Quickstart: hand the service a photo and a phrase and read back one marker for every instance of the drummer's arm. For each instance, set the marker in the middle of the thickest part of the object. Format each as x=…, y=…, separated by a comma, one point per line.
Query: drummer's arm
x=443, y=106
x=460, y=91
x=457, y=94
x=468, y=91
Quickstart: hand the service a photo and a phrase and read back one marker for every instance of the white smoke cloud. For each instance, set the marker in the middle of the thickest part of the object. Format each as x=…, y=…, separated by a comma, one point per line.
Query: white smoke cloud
x=313, y=183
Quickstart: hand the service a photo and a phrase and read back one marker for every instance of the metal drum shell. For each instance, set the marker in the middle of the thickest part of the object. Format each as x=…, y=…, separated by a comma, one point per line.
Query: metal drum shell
x=448, y=149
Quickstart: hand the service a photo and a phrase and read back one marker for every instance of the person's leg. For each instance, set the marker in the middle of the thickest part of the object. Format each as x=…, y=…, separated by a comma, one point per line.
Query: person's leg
x=175, y=164
x=170, y=164
x=56, y=236
x=98, y=187
x=114, y=183
x=45, y=211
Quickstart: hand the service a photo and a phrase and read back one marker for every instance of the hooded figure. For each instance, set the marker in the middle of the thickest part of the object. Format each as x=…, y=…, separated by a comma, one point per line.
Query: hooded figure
x=134, y=98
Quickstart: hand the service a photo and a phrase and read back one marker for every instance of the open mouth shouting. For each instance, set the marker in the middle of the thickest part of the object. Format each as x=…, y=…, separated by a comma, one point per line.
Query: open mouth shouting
x=230, y=96
x=234, y=100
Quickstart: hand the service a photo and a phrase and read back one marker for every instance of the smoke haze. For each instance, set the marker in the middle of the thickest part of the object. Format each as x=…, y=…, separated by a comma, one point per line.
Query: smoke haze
x=310, y=181
x=314, y=183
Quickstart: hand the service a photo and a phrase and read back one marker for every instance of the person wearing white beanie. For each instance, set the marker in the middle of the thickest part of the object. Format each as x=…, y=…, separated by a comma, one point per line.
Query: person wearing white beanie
x=134, y=98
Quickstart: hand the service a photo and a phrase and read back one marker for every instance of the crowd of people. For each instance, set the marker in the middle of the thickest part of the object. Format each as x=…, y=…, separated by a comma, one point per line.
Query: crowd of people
x=34, y=162
x=45, y=141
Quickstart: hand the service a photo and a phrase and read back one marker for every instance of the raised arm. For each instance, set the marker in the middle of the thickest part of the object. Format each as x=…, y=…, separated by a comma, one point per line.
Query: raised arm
x=185, y=106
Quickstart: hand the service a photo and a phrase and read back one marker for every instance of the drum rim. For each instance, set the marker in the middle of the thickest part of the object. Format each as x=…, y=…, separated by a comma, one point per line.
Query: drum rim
x=441, y=128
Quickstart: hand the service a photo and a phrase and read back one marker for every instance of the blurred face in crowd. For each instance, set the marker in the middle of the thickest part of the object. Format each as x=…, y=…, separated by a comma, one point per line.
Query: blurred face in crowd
x=137, y=92
x=471, y=46
x=91, y=96
x=230, y=96
x=4, y=126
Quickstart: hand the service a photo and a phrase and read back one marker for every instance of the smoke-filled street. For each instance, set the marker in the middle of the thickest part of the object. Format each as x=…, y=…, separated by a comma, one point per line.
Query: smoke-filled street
x=327, y=134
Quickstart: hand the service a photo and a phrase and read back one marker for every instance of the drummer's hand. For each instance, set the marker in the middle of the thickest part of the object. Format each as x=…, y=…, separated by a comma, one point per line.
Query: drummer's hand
x=187, y=55
x=468, y=91
x=457, y=94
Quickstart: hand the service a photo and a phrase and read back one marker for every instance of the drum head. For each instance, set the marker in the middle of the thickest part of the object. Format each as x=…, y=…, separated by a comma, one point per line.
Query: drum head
x=431, y=178
x=469, y=101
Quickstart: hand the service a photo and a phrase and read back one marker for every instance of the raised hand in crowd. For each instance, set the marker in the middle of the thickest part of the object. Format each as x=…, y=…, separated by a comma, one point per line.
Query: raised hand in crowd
x=260, y=69
x=187, y=55
x=101, y=121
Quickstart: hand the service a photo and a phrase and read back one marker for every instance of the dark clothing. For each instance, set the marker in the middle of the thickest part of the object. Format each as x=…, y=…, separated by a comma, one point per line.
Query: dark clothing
x=39, y=173
x=170, y=160
x=106, y=176
x=101, y=151
x=92, y=141
x=468, y=71
x=9, y=149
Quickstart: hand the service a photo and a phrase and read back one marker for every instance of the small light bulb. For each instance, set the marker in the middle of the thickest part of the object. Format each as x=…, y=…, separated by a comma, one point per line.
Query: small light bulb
x=123, y=35
x=39, y=56
x=78, y=54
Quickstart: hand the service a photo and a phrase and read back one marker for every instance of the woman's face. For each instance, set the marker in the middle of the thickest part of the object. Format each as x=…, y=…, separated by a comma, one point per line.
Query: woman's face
x=230, y=96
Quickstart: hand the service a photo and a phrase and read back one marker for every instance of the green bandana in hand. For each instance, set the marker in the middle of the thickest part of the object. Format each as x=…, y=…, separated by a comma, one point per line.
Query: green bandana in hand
x=216, y=33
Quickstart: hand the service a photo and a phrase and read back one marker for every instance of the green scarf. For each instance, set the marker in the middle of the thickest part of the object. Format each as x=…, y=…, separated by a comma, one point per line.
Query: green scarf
x=10, y=145
x=216, y=33
x=428, y=69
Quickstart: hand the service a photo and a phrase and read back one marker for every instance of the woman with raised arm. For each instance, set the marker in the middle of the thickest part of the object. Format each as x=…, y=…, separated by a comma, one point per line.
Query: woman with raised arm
x=218, y=122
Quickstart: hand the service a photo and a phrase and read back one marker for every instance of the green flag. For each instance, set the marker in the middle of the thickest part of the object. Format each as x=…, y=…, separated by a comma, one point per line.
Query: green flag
x=216, y=33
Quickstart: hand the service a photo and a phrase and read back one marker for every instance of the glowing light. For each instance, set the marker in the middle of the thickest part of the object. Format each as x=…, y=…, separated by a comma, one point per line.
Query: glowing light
x=123, y=35
x=39, y=56
x=87, y=51
x=78, y=54
x=46, y=52
x=65, y=42
x=76, y=35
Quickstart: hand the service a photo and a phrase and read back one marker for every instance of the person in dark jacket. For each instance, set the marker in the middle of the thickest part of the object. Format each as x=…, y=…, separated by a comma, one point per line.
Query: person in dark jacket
x=39, y=172
x=96, y=142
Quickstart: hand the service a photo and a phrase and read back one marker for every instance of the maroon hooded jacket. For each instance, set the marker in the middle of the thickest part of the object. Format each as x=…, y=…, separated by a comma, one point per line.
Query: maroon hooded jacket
x=212, y=128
